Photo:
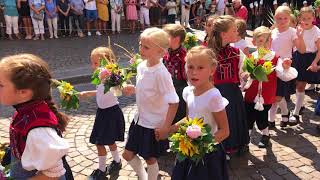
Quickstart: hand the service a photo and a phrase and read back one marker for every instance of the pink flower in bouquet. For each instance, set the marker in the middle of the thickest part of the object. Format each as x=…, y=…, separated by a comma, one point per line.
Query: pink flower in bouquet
x=132, y=61
x=194, y=131
x=104, y=74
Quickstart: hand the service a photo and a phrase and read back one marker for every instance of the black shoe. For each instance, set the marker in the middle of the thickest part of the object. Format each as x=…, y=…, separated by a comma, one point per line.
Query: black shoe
x=264, y=142
x=284, y=124
x=98, y=175
x=301, y=110
x=113, y=167
x=294, y=120
x=272, y=125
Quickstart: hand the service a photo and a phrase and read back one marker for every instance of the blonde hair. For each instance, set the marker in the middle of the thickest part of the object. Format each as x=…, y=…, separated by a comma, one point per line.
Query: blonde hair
x=204, y=52
x=27, y=71
x=283, y=9
x=175, y=30
x=293, y=20
x=262, y=31
x=220, y=24
x=307, y=9
x=157, y=36
x=104, y=52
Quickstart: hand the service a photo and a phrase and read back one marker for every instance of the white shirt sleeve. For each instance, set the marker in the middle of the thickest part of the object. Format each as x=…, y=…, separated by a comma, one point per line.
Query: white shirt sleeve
x=166, y=88
x=285, y=74
x=185, y=92
x=217, y=103
x=43, y=152
x=242, y=58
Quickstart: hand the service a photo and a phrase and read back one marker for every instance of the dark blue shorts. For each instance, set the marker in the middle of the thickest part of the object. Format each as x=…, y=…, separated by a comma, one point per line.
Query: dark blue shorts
x=91, y=15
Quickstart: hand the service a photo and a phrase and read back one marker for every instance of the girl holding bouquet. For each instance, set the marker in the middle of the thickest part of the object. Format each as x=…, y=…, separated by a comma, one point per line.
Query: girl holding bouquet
x=37, y=148
x=306, y=63
x=109, y=123
x=284, y=39
x=204, y=101
x=227, y=78
x=267, y=89
x=157, y=103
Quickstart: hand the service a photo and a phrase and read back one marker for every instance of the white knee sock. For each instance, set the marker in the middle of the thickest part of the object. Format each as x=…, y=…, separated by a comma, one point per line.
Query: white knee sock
x=273, y=112
x=265, y=131
x=284, y=107
x=137, y=166
x=115, y=155
x=102, y=163
x=299, y=102
x=153, y=171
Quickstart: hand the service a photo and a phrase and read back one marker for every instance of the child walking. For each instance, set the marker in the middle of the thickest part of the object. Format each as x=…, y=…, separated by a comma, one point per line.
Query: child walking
x=262, y=39
x=204, y=100
x=157, y=103
x=37, y=148
x=284, y=39
x=109, y=123
x=306, y=64
x=174, y=60
x=227, y=78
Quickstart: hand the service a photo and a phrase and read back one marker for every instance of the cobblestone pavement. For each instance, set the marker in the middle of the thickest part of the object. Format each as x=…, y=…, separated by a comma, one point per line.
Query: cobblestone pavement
x=294, y=153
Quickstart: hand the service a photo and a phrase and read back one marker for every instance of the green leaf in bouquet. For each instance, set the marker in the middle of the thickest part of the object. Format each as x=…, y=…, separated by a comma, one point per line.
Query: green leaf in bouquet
x=260, y=74
x=103, y=62
x=106, y=88
x=249, y=66
x=180, y=157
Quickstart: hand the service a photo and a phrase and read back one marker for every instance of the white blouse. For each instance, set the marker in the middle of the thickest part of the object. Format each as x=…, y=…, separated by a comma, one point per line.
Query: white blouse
x=154, y=92
x=43, y=152
x=283, y=43
x=105, y=100
x=203, y=105
x=310, y=38
x=241, y=44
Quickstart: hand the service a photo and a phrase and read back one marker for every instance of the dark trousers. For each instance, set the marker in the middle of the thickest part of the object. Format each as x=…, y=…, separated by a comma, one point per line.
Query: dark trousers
x=64, y=24
x=260, y=117
x=80, y=19
x=171, y=18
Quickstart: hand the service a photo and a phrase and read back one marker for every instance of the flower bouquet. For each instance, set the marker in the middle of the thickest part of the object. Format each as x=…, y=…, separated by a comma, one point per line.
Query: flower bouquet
x=134, y=62
x=259, y=68
x=5, y=164
x=68, y=95
x=111, y=76
x=316, y=3
x=190, y=41
x=192, y=140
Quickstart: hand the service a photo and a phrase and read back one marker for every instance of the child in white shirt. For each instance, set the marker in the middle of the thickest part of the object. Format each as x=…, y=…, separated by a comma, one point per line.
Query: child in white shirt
x=157, y=103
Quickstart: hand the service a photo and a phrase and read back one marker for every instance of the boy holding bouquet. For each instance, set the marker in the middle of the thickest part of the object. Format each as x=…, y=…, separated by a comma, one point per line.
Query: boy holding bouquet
x=261, y=92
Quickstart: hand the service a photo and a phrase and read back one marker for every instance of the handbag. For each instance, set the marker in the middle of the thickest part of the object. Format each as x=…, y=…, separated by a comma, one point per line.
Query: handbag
x=38, y=17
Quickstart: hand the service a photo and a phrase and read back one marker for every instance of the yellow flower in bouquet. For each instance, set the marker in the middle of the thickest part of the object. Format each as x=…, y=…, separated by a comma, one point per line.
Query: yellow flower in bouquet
x=190, y=41
x=192, y=140
x=258, y=67
x=68, y=95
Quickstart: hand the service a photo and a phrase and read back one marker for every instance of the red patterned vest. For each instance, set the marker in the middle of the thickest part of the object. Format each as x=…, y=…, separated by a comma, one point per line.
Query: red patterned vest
x=174, y=60
x=228, y=66
x=27, y=117
x=268, y=88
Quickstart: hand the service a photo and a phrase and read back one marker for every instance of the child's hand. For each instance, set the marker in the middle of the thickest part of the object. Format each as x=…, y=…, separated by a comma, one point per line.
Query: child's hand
x=300, y=30
x=83, y=94
x=286, y=64
x=128, y=90
x=313, y=67
x=161, y=134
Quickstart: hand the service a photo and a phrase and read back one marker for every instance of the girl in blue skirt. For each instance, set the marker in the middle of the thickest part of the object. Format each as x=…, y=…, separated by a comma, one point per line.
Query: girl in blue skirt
x=109, y=124
x=204, y=100
x=306, y=64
